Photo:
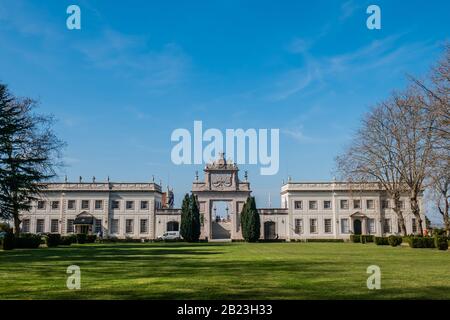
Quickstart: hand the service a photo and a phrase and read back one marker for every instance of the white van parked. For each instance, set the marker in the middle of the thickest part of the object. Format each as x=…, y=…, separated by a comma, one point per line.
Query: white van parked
x=170, y=235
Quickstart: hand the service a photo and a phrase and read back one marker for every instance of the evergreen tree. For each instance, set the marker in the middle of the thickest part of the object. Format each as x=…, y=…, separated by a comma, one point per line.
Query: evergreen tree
x=185, y=229
x=29, y=151
x=250, y=223
x=195, y=219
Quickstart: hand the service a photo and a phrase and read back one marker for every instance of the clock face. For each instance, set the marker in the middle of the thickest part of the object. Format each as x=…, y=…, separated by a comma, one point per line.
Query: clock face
x=221, y=181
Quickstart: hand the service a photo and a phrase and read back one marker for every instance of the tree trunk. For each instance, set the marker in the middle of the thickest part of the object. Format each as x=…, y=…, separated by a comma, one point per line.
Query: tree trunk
x=398, y=211
x=416, y=212
x=17, y=222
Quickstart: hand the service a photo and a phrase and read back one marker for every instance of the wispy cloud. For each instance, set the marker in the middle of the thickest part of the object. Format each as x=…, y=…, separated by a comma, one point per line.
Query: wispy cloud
x=317, y=72
x=348, y=8
x=129, y=56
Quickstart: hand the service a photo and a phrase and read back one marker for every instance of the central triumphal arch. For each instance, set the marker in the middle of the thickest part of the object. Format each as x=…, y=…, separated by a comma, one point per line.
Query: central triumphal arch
x=221, y=184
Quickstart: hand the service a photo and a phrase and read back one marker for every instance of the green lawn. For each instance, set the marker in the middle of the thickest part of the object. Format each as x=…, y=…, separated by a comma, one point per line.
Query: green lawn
x=225, y=271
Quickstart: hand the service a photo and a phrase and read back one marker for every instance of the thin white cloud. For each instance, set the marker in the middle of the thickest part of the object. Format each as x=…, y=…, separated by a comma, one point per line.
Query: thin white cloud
x=318, y=71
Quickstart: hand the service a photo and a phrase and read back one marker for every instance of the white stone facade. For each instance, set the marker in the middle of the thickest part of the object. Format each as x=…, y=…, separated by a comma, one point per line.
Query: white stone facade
x=317, y=210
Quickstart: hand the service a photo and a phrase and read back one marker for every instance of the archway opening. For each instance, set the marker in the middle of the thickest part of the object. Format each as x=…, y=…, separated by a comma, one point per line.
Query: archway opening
x=221, y=219
x=270, y=230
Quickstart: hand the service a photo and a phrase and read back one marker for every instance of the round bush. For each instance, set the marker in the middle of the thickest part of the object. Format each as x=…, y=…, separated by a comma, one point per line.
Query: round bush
x=81, y=238
x=395, y=241
x=53, y=239
x=441, y=242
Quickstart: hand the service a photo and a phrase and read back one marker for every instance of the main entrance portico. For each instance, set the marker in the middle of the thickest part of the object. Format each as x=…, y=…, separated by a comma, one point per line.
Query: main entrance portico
x=221, y=184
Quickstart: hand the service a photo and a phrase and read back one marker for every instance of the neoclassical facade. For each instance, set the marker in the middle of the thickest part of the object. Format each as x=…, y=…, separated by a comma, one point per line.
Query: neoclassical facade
x=315, y=210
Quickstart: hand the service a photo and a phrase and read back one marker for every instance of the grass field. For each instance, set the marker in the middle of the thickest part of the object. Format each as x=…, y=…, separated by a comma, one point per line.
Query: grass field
x=225, y=271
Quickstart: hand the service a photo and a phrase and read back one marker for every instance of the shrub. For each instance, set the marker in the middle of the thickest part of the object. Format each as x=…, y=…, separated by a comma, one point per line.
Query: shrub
x=53, y=239
x=68, y=240
x=395, y=240
x=381, y=241
x=355, y=238
x=28, y=241
x=81, y=238
x=8, y=242
x=90, y=238
x=421, y=242
x=441, y=242
x=367, y=238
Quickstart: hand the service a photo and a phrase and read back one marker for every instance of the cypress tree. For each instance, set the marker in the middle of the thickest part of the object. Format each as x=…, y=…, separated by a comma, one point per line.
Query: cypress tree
x=250, y=223
x=195, y=219
x=185, y=229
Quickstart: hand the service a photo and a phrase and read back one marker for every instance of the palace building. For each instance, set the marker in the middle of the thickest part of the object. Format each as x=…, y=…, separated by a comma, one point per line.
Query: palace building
x=310, y=210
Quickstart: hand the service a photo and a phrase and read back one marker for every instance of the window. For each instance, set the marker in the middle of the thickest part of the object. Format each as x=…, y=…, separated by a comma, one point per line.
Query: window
x=356, y=204
x=313, y=205
x=41, y=205
x=69, y=228
x=85, y=204
x=327, y=225
x=98, y=204
x=144, y=205
x=98, y=225
x=313, y=225
x=327, y=204
x=401, y=204
x=298, y=205
x=298, y=226
x=26, y=225
x=371, y=226
x=129, y=226
x=55, y=205
x=344, y=204
x=71, y=205
x=40, y=225
x=387, y=226
x=115, y=204
x=144, y=226
x=130, y=205
x=370, y=204
x=385, y=204
x=115, y=226
x=344, y=226
x=414, y=225
x=54, y=226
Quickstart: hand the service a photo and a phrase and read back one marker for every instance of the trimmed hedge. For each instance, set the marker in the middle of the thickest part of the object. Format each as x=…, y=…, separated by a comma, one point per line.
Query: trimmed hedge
x=90, y=238
x=81, y=238
x=441, y=242
x=421, y=242
x=28, y=241
x=68, y=240
x=53, y=239
x=367, y=238
x=395, y=240
x=355, y=238
x=381, y=241
x=8, y=242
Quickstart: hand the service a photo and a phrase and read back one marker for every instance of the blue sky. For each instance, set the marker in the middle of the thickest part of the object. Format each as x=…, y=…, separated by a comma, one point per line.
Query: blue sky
x=137, y=70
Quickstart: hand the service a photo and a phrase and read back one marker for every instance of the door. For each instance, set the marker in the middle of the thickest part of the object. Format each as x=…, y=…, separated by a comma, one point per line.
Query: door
x=269, y=230
x=357, y=229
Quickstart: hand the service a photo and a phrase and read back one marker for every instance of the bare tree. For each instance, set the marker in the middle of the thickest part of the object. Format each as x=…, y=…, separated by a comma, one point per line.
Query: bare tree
x=373, y=157
x=440, y=190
